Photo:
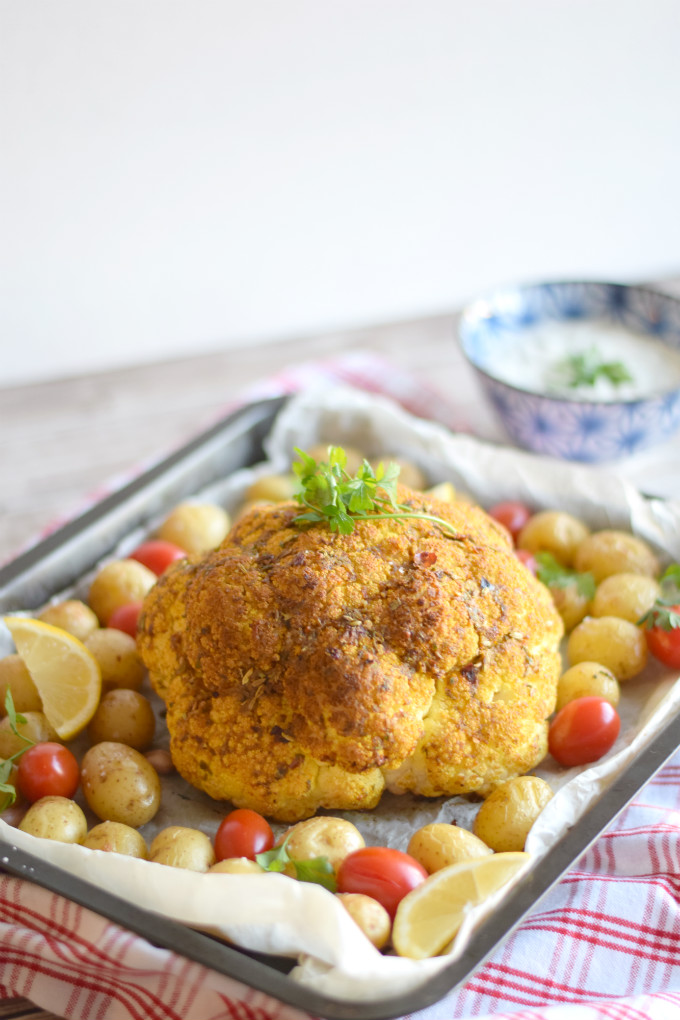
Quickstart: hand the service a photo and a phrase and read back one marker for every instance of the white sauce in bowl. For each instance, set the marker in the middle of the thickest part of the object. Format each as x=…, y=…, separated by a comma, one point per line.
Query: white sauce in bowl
x=541, y=360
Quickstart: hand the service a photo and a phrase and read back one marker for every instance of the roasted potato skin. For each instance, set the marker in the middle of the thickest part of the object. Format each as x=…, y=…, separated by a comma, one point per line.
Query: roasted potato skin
x=304, y=669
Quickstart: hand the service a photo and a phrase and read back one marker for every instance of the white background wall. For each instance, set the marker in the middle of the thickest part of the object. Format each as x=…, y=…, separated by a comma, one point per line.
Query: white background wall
x=185, y=176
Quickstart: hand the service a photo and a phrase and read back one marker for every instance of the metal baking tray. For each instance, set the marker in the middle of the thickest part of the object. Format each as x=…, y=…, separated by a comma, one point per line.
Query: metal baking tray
x=60, y=559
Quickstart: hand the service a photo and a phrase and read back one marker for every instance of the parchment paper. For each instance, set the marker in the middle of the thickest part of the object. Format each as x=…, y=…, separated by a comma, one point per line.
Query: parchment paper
x=276, y=914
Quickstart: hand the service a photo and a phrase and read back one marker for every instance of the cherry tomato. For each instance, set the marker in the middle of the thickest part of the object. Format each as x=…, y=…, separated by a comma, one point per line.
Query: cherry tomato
x=512, y=514
x=665, y=644
x=528, y=559
x=583, y=731
x=157, y=554
x=382, y=873
x=47, y=770
x=243, y=833
x=125, y=618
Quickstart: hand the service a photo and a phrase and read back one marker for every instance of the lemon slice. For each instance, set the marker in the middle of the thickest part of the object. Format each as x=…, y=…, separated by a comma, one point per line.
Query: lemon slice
x=66, y=674
x=430, y=915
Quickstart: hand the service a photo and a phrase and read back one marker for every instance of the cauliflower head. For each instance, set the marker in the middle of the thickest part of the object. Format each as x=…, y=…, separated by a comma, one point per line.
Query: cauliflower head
x=304, y=669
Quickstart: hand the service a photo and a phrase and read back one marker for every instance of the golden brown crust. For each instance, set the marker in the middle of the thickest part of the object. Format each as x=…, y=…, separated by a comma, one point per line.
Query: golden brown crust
x=304, y=669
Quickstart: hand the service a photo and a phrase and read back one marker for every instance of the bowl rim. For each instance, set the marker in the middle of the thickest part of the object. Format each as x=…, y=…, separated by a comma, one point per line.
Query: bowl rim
x=653, y=291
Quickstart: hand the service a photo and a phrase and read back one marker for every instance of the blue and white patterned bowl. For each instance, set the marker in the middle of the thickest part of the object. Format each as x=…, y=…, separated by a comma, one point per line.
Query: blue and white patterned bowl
x=570, y=428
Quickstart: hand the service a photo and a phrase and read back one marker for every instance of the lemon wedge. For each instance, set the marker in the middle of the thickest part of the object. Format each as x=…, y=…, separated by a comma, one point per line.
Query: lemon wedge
x=429, y=916
x=66, y=674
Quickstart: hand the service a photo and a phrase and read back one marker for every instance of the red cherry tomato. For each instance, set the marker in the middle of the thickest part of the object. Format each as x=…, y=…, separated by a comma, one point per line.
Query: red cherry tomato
x=47, y=770
x=665, y=644
x=243, y=833
x=583, y=731
x=125, y=618
x=382, y=873
x=512, y=515
x=528, y=559
x=157, y=555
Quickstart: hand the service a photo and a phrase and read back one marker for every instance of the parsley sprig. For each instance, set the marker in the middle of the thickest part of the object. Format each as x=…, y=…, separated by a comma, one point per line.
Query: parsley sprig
x=318, y=870
x=554, y=575
x=331, y=495
x=664, y=612
x=585, y=370
x=6, y=765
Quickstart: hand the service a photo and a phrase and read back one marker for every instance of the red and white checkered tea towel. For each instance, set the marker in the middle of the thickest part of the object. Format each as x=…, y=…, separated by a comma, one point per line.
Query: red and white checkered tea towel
x=603, y=945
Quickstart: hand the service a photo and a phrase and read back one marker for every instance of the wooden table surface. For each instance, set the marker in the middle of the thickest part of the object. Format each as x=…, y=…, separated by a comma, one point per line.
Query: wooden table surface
x=64, y=439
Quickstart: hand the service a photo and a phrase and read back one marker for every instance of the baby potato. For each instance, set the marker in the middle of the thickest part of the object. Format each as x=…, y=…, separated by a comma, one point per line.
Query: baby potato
x=236, y=866
x=553, y=531
x=117, y=584
x=181, y=847
x=445, y=491
x=119, y=784
x=610, y=551
x=124, y=716
x=271, y=488
x=71, y=615
x=114, y=837
x=329, y=837
x=119, y=661
x=14, y=674
x=36, y=727
x=626, y=595
x=506, y=816
x=617, y=644
x=439, y=844
x=57, y=818
x=409, y=473
x=570, y=603
x=195, y=527
x=587, y=679
x=370, y=915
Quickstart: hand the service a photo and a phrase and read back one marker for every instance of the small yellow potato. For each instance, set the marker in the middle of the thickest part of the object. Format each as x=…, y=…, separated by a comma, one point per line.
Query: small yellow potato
x=506, y=816
x=71, y=615
x=409, y=473
x=444, y=491
x=586, y=680
x=570, y=603
x=124, y=716
x=114, y=837
x=370, y=916
x=629, y=596
x=615, y=552
x=271, y=489
x=15, y=676
x=119, y=784
x=439, y=844
x=617, y=644
x=36, y=728
x=119, y=661
x=117, y=584
x=355, y=458
x=57, y=818
x=329, y=837
x=236, y=866
x=161, y=760
x=181, y=847
x=553, y=531
x=195, y=527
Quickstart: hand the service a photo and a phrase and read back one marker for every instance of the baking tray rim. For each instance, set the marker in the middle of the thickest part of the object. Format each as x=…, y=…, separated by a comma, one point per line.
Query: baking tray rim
x=258, y=971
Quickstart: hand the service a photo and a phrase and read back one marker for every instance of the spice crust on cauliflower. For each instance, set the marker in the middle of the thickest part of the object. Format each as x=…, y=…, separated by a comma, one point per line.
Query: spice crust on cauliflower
x=305, y=669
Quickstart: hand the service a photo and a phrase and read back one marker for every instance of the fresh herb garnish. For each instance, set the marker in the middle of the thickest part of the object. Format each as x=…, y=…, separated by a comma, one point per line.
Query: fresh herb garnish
x=331, y=495
x=585, y=370
x=6, y=765
x=554, y=575
x=317, y=870
x=664, y=612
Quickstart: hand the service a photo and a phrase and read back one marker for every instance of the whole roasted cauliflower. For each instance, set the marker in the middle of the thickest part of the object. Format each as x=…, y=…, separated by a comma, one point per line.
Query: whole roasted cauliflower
x=306, y=669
